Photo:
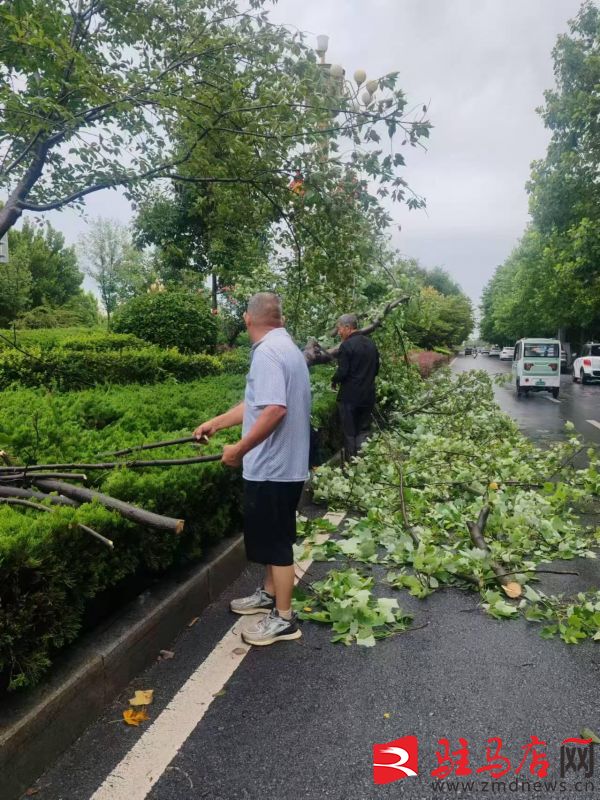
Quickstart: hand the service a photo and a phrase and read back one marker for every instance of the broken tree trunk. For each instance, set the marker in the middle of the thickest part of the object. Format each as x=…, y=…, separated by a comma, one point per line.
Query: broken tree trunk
x=137, y=515
x=476, y=529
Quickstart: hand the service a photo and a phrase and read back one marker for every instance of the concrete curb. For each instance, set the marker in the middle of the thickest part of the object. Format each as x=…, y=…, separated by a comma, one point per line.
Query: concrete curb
x=36, y=729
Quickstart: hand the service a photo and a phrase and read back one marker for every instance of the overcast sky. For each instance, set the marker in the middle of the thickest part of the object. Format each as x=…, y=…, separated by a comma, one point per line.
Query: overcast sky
x=482, y=66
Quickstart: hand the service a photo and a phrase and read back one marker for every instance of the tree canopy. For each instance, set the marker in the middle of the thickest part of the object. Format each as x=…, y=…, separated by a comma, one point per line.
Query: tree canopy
x=42, y=272
x=551, y=280
x=96, y=95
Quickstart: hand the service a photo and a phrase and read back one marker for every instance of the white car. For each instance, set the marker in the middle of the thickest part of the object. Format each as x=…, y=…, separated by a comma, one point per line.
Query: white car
x=507, y=354
x=586, y=367
x=495, y=351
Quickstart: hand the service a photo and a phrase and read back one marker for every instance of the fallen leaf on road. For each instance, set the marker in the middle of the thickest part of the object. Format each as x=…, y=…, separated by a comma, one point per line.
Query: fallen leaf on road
x=133, y=717
x=387, y=715
x=193, y=622
x=239, y=651
x=586, y=733
x=513, y=589
x=220, y=694
x=143, y=697
x=166, y=654
x=32, y=791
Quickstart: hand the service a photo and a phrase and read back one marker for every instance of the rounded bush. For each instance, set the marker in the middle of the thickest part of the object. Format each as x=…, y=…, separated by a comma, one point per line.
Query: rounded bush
x=169, y=319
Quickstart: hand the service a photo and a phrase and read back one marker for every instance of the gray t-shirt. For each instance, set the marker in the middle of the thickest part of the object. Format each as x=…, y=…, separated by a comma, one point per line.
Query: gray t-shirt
x=278, y=376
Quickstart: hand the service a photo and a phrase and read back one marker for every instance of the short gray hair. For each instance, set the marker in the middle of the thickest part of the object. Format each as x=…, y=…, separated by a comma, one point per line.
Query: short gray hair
x=265, y=306
x=348, y=321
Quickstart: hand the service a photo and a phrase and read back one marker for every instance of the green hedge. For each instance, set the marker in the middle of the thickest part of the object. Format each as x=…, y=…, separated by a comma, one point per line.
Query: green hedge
x=47, y=338
x=236, y=361
x=68, y=369
x=49, y=569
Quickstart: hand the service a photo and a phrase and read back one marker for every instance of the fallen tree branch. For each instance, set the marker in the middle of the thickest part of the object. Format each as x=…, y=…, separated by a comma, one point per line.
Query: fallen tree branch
x=15, y=501
x=96, y=535
x=170, y=443
x=22, y=476
x=315, y=354
x=19, y=491
x=476, y=529
x=159, y=462
x=132, y=513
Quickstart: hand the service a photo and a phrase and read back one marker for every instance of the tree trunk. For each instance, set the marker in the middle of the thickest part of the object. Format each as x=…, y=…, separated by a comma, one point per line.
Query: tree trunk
x=214, y=291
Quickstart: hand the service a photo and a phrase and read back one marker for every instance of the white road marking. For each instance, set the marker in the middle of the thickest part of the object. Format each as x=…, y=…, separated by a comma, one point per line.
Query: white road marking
x=551, y=399
x=134, y=777
x=593, y=422
x=452, y=362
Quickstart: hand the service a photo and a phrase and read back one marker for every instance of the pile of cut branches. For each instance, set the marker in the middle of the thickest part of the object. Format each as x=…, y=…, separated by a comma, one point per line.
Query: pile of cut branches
x=42, y=487
x=453, y=494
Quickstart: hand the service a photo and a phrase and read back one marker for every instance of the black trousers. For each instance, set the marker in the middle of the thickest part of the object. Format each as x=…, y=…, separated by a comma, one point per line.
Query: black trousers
x=356, y=424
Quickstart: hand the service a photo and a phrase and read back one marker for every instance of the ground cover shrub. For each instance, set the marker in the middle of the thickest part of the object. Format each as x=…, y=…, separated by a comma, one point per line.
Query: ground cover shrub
x=169, y=319
x=49, y=569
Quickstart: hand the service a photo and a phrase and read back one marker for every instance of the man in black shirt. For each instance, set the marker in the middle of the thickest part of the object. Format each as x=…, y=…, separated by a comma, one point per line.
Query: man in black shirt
x=358, y=364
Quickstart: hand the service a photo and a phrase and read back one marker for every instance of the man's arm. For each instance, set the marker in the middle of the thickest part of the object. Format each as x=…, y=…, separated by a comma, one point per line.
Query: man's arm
x=343, y=370
x=268, y=420
x=229, y=419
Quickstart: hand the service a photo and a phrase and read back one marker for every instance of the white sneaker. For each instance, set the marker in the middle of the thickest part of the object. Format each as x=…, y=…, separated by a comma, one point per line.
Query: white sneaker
x=271, y=629
x=260, y=602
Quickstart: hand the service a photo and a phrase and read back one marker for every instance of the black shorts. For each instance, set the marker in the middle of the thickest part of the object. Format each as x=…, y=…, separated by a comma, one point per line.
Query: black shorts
x=270, y=521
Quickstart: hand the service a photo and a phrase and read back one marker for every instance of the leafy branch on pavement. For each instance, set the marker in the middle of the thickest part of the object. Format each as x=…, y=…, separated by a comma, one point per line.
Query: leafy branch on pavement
x=419, y=484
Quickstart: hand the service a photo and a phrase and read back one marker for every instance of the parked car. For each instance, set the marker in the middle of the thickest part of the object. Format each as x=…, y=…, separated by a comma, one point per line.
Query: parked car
x=564, y=366
x=586, y=367
x=468, y=351
x=507, y=354
x=485, y=351
x=495, y=351
x=536, y=366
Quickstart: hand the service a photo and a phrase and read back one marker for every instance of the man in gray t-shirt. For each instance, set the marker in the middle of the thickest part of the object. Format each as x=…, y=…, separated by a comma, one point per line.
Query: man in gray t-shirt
x=275, y=418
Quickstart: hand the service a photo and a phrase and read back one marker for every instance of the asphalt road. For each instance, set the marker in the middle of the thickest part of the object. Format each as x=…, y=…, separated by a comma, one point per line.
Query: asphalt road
x=298, y=720
x=539, y=415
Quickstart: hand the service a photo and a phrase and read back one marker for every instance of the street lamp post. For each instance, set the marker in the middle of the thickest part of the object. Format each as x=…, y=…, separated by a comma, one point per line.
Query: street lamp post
x=336, y=75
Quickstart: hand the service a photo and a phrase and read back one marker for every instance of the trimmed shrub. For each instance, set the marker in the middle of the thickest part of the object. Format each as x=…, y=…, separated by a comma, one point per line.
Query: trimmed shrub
x=49, y=569
x=169, y=319
x=68, y=369
x=236, y=361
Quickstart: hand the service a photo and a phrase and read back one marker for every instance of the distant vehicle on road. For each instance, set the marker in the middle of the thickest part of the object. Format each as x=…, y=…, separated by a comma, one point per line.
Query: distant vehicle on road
x=485, y=351
x=507, y=354
x=564, y=366
x=536, y=366
x=586, y=367
x=468, y=351
x=495, y=351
